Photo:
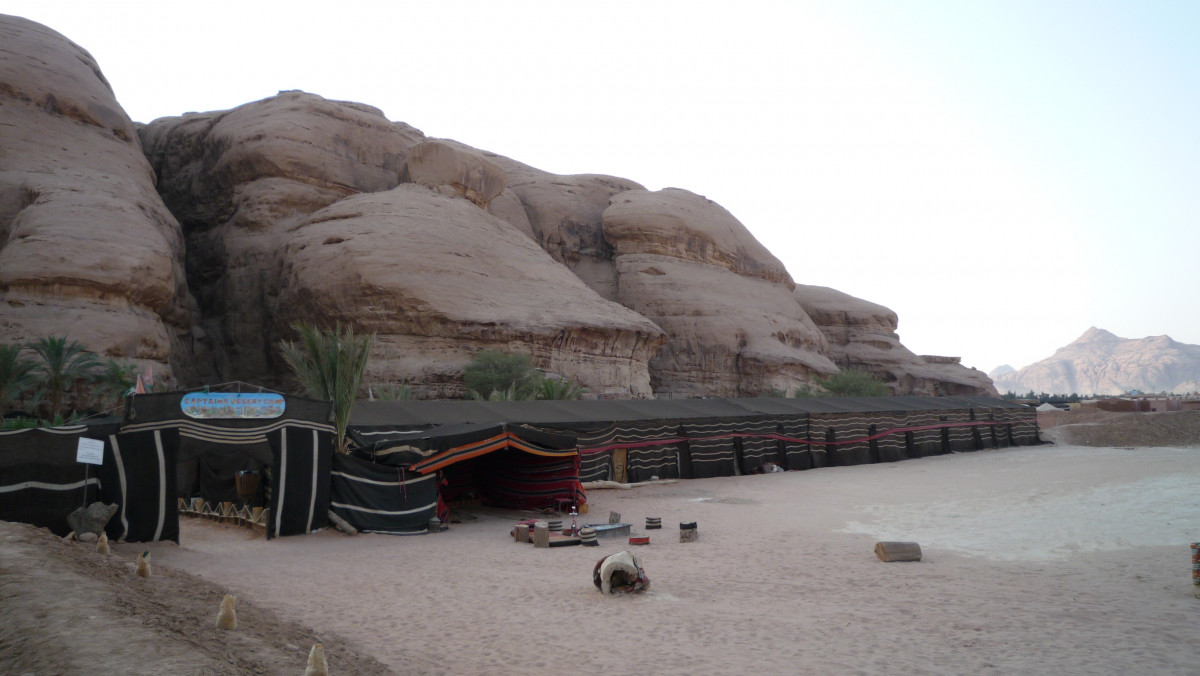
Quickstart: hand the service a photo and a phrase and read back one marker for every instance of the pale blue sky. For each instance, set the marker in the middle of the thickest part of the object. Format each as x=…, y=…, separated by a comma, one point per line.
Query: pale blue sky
x=1003, y=175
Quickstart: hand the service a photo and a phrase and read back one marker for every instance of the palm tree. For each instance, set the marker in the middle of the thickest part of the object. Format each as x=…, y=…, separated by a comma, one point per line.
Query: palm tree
x=60, y=365
x=114, y=381
x=511, y=394
x=560, y=389
x=16, y=374
x=330, y=365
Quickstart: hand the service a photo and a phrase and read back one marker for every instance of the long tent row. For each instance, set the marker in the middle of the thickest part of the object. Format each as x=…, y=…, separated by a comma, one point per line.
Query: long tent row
x=413, y=460
x=633, y=441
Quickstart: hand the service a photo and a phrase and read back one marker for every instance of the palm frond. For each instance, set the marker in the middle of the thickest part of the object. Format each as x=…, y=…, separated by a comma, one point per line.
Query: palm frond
x=59, y=365
x=16, y=373
x=330, y=365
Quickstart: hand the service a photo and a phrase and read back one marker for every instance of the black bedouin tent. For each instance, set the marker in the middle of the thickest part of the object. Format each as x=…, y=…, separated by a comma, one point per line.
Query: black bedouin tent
x=290, y=452
x=638, y=440
x=42, y=482
x=400, y=477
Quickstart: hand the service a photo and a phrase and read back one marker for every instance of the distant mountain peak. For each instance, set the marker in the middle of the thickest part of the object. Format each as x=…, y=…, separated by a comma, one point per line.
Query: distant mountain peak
x=1100, y=362
x=1096, y=335
x=1001, y=370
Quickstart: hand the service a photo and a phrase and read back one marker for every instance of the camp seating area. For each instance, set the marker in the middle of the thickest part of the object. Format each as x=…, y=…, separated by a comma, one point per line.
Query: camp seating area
x=226, y=512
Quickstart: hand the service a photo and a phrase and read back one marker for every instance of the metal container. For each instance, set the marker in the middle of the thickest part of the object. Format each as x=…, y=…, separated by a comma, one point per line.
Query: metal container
x=610, y=530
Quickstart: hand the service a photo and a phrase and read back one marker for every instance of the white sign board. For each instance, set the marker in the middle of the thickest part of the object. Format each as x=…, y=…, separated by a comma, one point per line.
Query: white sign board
x=90, y=451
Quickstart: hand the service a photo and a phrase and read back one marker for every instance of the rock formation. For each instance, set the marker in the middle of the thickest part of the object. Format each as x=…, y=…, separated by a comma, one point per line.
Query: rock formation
x=455, y=171
x=238, y=181
x=91, y=519
x=87, y=248
x=298, y=208
x=292, y=213
x=723, y=299
x=1099, y=362
x=437, y=278
x=862, y=334
x=564, y=216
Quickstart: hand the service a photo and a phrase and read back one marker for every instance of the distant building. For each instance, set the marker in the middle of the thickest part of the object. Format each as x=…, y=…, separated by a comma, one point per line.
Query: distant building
x=1150, y=403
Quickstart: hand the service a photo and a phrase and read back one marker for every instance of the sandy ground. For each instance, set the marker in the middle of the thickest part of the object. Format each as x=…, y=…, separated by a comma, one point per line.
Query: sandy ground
x=1046, y=559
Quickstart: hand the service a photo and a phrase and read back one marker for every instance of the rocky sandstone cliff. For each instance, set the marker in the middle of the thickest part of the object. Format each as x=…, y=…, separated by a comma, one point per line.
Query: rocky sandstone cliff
x=437, y=278
x=196, y=241
x=862, y=334
x=238, y=180
x=87, y=248
x=292, y=212
x=564, y=214
x=723, y=299
x=1099, y=362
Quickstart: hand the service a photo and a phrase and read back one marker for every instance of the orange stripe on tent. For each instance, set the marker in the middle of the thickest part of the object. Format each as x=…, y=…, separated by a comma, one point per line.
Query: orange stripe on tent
x=496, y=443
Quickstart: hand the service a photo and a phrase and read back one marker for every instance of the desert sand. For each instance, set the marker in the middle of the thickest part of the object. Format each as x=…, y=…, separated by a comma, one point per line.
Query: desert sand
x=1045, y=559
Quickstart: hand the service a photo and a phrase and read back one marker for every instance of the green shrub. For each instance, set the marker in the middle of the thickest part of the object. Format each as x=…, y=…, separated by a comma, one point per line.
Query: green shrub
x=494, y=371
x=853, y=382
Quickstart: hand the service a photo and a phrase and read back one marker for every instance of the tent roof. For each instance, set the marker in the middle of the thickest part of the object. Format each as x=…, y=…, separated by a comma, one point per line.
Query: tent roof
x=564, y=413
x=402, y=445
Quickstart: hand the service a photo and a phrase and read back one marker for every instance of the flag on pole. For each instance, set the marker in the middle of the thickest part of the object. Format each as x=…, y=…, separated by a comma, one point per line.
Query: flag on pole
x=145, y=381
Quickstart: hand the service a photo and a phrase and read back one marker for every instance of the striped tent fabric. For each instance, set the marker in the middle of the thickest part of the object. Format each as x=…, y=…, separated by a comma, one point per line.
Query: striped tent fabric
x=211, y=451
x=595, y=454
x=924, y=434
x=652, y=462
x=376, y=498
x=653, y=449
x=995, y=432
x=710, y=450
x=505, y=465
x=798, y=454
x=730, y=447
x=635, y=441
x=888, y=447
x=40, y=481
x=139, y=476
x=759, y=445
x=1021, y=426
x=844, y=436
x=595, y=466
x=520, y=481
x=961, y=433
x=499, y=438
x=302, y=463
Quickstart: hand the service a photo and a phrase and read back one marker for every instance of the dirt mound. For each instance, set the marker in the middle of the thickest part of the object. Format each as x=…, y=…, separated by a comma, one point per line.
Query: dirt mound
x=1102, y=428
x=70, y=610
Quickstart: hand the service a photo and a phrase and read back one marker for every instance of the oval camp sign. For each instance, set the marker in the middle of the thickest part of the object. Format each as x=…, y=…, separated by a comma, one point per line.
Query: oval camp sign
x=232, y=405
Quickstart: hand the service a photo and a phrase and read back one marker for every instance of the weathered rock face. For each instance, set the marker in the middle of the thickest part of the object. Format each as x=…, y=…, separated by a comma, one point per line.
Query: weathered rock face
x=238, y=181
x=723, y=299
x=862, y=335
x=453, y=170
x=1099, y=362
x=292, y=212
x=87, y=248
x=564, y=215
x=300, y=208
x=437, y=279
